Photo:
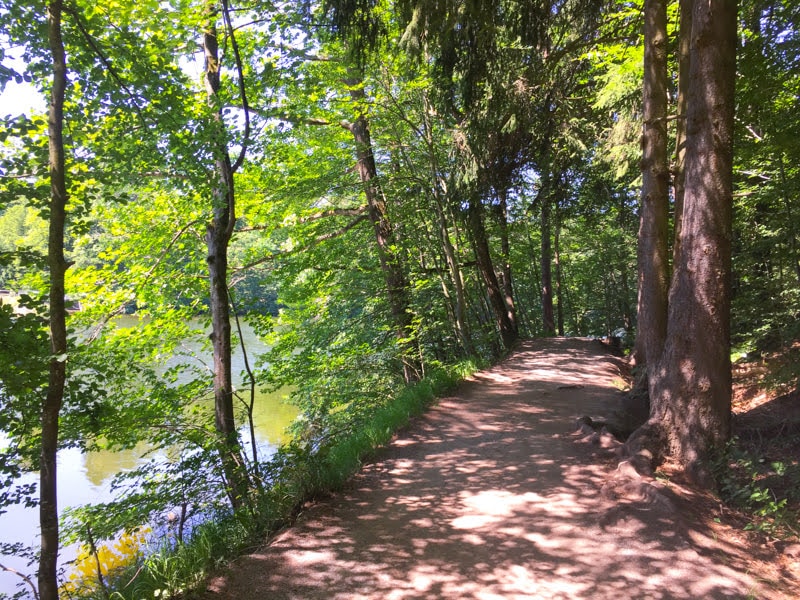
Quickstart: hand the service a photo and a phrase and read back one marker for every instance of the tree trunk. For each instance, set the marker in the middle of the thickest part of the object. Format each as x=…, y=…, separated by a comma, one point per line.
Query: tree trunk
x=508, y=334
x=684, y=44
x=391, y=263
x=48, y=492
x=548, y=320
x=460, y=306
x=218, y=235
x=653, y=260
x=536, y=281
x=505, y=252
x=456, y=276
x=691, y=389
x=557, y=262
x=794, y=254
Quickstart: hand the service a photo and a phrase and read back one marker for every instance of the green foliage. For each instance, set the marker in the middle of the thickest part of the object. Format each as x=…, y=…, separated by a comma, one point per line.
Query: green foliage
x=764, y=489
x=767, y=200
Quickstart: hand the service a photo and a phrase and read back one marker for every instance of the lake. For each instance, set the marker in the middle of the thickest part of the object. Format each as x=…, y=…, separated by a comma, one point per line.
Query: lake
x=86, y=478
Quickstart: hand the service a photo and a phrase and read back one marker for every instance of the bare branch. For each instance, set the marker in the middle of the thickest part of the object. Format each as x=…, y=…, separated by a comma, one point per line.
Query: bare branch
x=25, y=578
x=299, y=53
x=288, y=118
x=26, y=176
x=757, y=175
x=106, y=62
x=335, y=212
x=163, y=175
x=754, y=133
x=118, y=310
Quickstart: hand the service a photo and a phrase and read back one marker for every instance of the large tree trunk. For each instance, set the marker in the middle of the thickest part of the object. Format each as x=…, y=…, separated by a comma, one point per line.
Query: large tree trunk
x=691, y=389
x=391, y=263
x=653, y=259
x=48, y=493
x=506, y=329
x=218, y=235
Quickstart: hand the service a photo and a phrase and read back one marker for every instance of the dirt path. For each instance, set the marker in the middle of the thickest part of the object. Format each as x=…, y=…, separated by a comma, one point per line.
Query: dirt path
x=492, y=494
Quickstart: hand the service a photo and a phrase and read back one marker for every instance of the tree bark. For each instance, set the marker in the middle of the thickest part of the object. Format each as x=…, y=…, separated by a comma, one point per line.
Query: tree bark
x=546, y=258
x=653, y=259
x=218, y=235
x=684, y=44
x=48, y=492
x=691, y=389
x=390, y=261
x=508, y=334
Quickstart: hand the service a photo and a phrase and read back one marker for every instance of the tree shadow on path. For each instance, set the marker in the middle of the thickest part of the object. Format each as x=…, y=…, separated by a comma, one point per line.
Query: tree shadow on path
x=493, y=495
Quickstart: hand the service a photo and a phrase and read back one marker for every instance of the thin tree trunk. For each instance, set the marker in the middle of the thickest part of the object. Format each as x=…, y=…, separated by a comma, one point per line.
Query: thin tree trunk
x=536, y=280
x=440, y=195
x=548, y=320
x=653, y=260
x=505, y=327
x=458, y=271
x=460, y=306
x=48, y=492
x=794, y=255
x=557, y=262
x=505, y=253
x=625, y=305
x=218, y=235
x=391, y=263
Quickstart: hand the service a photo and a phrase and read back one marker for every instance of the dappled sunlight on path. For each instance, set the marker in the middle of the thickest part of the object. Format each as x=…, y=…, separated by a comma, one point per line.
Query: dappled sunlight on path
x=493, y=495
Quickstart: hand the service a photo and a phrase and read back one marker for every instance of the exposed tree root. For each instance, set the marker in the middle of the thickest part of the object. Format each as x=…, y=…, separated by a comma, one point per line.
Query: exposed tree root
x=630, y=489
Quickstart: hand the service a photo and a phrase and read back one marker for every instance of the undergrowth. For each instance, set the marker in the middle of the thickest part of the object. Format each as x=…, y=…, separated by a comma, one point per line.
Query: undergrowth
x=302, y=470
x=768, y=491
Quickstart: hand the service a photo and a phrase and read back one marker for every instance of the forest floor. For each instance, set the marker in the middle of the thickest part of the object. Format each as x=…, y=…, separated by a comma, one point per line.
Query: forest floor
x=494, y=493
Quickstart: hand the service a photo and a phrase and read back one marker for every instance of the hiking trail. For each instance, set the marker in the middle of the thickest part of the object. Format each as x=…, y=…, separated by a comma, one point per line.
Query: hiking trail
x=494, y=493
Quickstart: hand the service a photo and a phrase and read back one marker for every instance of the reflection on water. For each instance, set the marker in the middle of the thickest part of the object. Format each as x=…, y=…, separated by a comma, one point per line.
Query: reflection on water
x=86, y=478
x=100, y=466
x=271, y=417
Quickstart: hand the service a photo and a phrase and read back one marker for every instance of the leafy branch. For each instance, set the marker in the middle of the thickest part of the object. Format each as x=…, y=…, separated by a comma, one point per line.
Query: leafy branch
x=317, y=240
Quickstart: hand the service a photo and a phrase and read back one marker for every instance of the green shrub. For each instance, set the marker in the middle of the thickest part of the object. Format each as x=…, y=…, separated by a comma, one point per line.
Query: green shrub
x=763, y=489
